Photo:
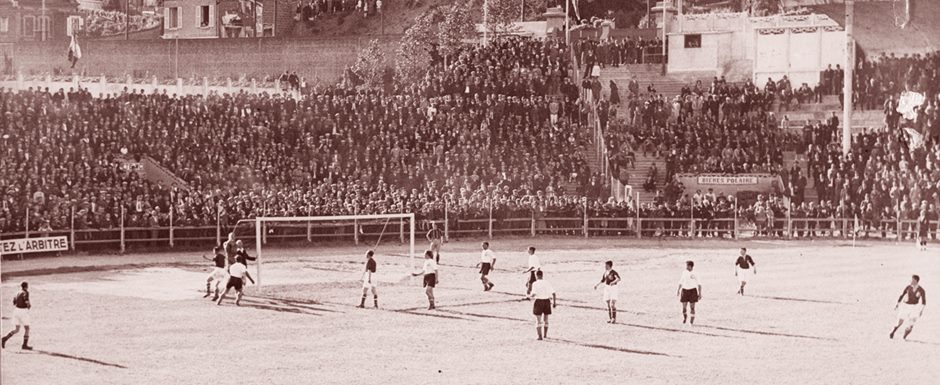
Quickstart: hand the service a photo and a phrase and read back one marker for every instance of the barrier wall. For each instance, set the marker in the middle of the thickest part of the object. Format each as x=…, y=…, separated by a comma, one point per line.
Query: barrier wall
x=314, y=59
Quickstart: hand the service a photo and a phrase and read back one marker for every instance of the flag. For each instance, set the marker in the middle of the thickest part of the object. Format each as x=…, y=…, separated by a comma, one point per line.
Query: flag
x=75, y=51
x=915, y=139
x=907, y=102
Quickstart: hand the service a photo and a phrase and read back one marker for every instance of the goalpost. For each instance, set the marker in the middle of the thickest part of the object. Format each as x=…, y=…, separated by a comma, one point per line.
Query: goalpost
x=358, y=222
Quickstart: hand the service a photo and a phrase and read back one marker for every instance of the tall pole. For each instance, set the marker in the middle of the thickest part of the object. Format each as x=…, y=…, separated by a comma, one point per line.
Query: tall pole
x=254, y=18
x=43, y=21
x=486, y=12
x=127, y=19
x=664, y=33
x=847, y=79
x=567, y=23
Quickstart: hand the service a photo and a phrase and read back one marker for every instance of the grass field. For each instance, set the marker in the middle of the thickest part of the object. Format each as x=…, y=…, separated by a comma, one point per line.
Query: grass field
x=816, y=313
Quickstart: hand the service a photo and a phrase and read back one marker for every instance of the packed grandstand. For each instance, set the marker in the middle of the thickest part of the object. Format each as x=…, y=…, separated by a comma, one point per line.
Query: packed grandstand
x=503, y=131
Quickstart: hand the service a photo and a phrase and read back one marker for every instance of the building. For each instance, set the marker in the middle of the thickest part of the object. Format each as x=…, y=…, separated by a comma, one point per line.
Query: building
x=190, y=19
x=36, y=20
x=195, y=19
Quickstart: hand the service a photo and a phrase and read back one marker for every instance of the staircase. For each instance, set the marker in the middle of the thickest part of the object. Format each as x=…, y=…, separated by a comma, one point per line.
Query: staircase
x=668, y=85
x=638, y=176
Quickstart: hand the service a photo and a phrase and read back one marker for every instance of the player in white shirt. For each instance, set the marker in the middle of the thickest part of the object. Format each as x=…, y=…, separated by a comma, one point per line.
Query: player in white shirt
x=534, y=266
x=689, y=292
x=236, y=275
x=545, y=301
x=368, y=282
x=487, y=263
x=430, y=277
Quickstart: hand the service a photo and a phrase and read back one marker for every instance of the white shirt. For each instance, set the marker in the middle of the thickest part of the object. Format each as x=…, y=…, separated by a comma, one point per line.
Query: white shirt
x=541, y=289
x=534, y=263
x=487, y=256
x=430, y=267
x=688, y=280
x=238, y=270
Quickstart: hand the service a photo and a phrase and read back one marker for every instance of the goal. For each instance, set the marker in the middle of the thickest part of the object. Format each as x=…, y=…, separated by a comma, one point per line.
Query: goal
x=366, y=230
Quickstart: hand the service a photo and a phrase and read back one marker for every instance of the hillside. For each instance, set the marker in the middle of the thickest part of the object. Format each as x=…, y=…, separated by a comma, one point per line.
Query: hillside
x=876, y=32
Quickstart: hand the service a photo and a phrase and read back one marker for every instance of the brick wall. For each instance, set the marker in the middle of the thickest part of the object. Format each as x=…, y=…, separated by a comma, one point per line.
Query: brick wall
x=322, y=59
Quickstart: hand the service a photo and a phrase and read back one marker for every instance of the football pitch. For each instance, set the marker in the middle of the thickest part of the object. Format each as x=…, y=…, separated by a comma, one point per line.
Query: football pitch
x=816, y=313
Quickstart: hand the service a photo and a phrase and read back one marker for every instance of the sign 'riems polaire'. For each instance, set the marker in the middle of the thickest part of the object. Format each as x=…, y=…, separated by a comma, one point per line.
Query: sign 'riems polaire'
x=34, y=245
x=727, y=180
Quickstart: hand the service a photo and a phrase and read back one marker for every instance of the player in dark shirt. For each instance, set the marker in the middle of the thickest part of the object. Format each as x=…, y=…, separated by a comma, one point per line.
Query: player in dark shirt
x=909, y=311
x=240, y=251
x=218, y=272
x=368, y=281
x=20, y=316
x=744, y=266
x=610, y=280
x=436, y=237
x=923, y=227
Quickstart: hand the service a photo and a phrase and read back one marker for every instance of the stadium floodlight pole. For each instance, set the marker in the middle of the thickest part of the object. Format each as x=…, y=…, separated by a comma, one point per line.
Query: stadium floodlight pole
x=847, y=78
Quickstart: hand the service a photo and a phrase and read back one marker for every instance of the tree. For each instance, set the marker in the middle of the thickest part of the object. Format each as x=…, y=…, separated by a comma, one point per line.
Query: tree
x=457, y=26
x=369, y=66
x=413, y=57
x=500, y=16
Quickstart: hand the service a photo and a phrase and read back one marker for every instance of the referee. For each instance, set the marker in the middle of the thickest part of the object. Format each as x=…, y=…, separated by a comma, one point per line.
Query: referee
x=20, y=316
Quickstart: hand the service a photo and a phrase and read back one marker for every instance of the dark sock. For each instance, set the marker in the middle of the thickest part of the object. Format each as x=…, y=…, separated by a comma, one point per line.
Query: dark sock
x=375, y=300
x=545, y=332
x=895, y=330
x=363, y=301
x=692, y=319
x=539, y=329
x=684, y=317
x=26, y=342
x=907, y=331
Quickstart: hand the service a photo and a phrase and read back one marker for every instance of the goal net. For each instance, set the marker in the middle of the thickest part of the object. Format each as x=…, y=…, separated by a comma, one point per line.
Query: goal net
x=387, y=234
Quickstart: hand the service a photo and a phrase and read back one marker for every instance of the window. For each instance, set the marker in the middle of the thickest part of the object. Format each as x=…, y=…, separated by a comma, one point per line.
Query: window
x=29, y=25
x=173, y=17
x=693, y=41
x=4, y=24
x=204, y=18
x=74, y=25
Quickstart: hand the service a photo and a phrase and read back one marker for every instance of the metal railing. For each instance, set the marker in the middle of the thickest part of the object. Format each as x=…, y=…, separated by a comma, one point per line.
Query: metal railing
x=537, y=223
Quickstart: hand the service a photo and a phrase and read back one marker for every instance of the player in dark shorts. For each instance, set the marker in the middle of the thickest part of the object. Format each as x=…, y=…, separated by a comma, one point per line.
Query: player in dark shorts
x=436, y=238
x=240, y=251
x=689, y=292
x=545, y=301
x=915, y=300
x=218, y=272
x=430, y=277
x=610, y=280
x=21, y=306
x=487, y=264
x=236, y=280
x=744, y=267
x=368, y=281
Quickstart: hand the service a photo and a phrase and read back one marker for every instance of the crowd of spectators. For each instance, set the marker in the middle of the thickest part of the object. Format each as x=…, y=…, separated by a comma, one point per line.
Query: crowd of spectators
x=499, y=129
x=492, y=128
x=617, y=52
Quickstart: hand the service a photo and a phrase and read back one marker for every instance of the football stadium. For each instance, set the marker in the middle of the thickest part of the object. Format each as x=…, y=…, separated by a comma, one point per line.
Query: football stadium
x=482, y=192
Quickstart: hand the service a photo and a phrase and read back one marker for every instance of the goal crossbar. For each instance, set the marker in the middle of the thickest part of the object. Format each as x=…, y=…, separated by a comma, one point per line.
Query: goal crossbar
x=261, y=220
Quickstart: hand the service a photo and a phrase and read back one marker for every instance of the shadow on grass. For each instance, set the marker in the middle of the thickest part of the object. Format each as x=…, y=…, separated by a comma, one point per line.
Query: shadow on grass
x=760, y=332
x=77, y=358
x=606, y=347
x=798, y=299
